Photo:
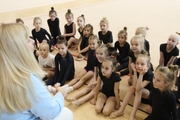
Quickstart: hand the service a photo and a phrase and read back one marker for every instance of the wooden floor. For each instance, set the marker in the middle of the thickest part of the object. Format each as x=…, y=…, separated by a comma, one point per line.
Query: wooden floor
x=162, y=17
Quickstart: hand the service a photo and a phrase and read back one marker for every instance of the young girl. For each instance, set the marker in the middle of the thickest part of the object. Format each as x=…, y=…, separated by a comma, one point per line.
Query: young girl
x=123, y=48
x=137, y=47
x=70, y=27
x=81, y=24
x=143, y=31
x=108, y=99
x=163, y=101
x=169, y=51
x=88, y=91
x=46, y=60
x=141, y=79
x=39, y=33
x=88, y=71
x=83, y=45
x=53, y=24
x=105, y=35
x=64, y=64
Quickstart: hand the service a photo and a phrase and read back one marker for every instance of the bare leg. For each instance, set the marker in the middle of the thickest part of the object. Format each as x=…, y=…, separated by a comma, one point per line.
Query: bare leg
x=126, y=100
x=84, y=99
x=79, y=94
x=86, y=77
x=109, y=106
x=100, y=102
x=76, y=79
x=139, y=94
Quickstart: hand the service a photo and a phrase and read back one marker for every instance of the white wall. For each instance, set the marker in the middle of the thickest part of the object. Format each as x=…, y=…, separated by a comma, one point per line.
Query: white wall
x=23, y=4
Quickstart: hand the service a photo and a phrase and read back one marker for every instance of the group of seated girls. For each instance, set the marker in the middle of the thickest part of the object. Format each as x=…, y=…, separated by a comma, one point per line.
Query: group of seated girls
x=103, y=69
x=106, y=63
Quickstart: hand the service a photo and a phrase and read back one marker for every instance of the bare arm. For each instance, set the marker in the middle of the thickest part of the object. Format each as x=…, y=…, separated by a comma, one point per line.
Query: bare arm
x=117, y=96
x=140, y=82
x=129, y=66
x=161, y=59
x=84, y=50
x=79, y=45
x=97, y=88
x=171, y=60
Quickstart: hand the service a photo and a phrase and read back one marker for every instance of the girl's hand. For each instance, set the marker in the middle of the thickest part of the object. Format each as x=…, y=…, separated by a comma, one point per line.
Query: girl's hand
x=93, y=85
x=92, y=102
x=117, y=106
x=144, y=70
x=149, y=110
x=117, y=65
x=133, y=67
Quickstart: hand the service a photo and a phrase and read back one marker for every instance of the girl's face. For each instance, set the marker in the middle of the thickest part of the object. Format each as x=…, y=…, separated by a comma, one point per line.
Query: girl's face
x=172, y=42
x=106, y=69
x=69, y=19
x=100, y=55
x=31, y=44
x=52, y=16
x=141, y=64
x=93, y=44
x=43, y=51
x=121, y=38
x=38, y=23
x=87, y=31
x=80, y=22
x=103, y=26
x=158, y=81
x=62, y=49
x=135, y=46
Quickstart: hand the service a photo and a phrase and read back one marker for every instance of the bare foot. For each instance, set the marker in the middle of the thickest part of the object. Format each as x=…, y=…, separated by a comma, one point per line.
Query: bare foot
x=76, y=103
x=92, y=102
x=70, y=99
x=115, y=114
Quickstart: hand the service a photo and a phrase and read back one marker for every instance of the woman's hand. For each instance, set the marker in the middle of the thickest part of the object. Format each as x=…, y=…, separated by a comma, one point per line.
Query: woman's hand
x=63, y=91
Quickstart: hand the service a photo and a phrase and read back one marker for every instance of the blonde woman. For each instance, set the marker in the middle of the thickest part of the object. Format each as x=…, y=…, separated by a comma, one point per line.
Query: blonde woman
x=23, y=94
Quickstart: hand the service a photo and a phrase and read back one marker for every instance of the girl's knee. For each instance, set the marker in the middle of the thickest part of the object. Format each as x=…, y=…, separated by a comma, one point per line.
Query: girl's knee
x=106, y=112
x=98, y=110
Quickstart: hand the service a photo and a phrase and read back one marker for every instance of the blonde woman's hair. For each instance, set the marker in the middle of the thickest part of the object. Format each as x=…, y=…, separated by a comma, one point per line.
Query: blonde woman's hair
x=169, y=75
x=104, y=20
x=141, y=31
x=17, y=64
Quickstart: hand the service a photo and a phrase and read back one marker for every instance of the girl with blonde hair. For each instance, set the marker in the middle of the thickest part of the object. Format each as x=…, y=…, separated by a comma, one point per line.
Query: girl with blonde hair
x=23, y=94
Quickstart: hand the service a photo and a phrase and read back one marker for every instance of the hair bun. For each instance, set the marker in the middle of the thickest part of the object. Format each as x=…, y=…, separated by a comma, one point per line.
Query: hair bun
x=52, y=8
x=125, y=28
x=82, y=15
x=173, y=67
x=69, y=10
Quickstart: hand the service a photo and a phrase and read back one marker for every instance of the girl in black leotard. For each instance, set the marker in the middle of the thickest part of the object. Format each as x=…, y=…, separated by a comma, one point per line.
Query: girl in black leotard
x=73, y=42
x=70, y=26
x=163, y=100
